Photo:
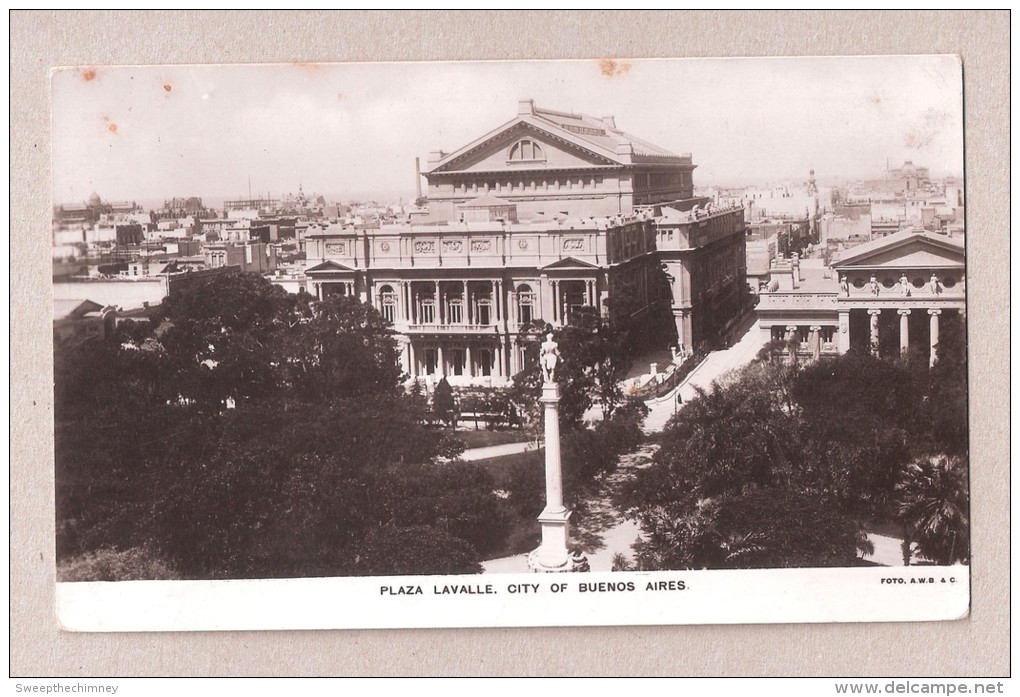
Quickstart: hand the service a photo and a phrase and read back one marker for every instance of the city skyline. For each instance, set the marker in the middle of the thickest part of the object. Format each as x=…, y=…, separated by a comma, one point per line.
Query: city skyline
x=353, y=130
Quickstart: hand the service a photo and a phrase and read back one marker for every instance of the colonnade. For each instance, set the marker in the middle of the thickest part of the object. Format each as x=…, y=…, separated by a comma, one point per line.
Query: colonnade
x=904, y=329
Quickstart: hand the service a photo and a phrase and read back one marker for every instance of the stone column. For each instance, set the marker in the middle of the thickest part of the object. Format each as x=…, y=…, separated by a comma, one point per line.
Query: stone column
x=441, y=364
x=465, y=309
x=552, y=555
x=792, y=342
x=904, y=330
x=413, y=372
x=468, y=367
x=874, y=330
x=843, y=331
x=816, y=342
x=557, y=309
x=438, y=309
x=495, y=303
x=933, y=351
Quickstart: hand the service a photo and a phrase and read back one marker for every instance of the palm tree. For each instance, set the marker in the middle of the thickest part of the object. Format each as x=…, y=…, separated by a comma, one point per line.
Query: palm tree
x=932, y=503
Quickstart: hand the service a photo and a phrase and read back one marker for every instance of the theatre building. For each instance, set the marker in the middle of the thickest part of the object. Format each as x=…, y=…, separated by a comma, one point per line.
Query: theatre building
x=546, y=214
x=889, y=296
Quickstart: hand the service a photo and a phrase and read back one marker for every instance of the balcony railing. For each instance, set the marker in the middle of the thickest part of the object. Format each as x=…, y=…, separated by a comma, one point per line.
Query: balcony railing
x=797, y=301
x=453, y=328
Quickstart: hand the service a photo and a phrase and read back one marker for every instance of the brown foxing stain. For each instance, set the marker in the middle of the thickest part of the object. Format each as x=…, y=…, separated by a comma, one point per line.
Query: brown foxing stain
x=110, y=125
x=875, y=101
x=167, y=86
x=88, y=74
x=311, y=67
x=612, y=68
x=339, y=96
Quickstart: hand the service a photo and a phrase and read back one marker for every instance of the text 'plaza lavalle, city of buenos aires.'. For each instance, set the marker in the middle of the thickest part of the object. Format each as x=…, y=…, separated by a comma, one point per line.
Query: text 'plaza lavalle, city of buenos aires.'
x=539, y=217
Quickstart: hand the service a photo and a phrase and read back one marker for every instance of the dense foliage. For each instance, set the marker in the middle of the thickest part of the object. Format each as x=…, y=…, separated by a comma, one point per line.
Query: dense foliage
x=249, y=432
x=782, y=464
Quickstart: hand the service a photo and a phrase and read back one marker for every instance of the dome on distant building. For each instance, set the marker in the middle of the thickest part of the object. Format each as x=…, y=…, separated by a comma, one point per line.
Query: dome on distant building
x=94, y=199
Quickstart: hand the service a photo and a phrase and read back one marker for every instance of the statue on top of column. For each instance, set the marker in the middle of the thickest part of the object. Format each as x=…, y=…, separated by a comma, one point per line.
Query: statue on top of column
x=873, y=285
x=844, y=287
x=936, y=285
x=549, y=358
x=904, y=286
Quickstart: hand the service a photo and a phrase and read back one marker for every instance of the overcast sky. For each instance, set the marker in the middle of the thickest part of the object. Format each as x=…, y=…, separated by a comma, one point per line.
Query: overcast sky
x=354, y=129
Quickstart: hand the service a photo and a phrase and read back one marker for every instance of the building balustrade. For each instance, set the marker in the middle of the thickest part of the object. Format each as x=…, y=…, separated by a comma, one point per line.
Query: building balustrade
x=451, y=328
x=788, y=300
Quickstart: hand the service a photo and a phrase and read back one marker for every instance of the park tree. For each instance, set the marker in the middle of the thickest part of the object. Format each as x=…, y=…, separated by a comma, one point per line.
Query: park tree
x=247, y=432
x=594, y=358
x=737, y=434
x=759, y=528
x=932, y=504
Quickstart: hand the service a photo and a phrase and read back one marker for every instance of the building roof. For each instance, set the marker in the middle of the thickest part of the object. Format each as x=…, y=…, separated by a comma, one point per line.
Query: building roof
x=897, y=239
x=63, y=309
x=596, y=135
x=601, y=132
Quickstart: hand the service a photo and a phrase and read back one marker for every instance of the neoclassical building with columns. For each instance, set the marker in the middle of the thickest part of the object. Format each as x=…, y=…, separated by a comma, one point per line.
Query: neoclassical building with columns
x=889, y=296
x=545, y=214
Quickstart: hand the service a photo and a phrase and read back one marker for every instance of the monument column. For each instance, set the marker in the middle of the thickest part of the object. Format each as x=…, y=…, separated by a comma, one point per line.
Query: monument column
x=904, y=330
x=552, y=555
x=874, y=330
x=933, y=351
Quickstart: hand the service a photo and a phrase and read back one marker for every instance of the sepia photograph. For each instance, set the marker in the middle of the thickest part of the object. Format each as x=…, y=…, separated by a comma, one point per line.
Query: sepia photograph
x=434, y=337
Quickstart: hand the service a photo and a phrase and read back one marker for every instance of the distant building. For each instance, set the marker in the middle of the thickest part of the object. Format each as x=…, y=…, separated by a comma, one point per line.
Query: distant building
x=248, y=257
x=546, y=214
x=557, y=164
x=76, y=321
x=898, y=292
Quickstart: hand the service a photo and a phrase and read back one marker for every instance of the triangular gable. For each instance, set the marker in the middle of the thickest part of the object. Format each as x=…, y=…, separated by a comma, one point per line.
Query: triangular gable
x=568, y=263
x=328, y=267
x=904, y=250
x=564, y=149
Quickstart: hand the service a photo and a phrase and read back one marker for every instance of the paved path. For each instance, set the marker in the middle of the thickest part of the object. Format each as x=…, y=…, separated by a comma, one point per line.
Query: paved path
x=604, y=531
x=715, y=366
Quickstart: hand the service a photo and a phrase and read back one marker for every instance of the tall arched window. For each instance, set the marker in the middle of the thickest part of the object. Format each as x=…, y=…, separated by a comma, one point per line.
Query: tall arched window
x=388, y=303
x=525, y=304
x=526, y=151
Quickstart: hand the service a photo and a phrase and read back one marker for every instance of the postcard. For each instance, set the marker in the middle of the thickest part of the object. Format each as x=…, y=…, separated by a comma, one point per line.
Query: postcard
x=536, y=343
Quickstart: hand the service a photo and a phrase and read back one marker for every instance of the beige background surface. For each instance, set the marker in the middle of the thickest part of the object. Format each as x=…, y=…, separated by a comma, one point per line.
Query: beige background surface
x=976, y=646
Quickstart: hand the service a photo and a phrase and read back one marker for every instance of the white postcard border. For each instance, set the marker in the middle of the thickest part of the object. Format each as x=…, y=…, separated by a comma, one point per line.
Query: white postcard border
x=768, y=596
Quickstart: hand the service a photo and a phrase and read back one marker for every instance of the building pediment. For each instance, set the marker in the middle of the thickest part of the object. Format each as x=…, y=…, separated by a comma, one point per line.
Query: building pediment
x=904, y=250
x=494, y=152
x=328, y=267
x=568, y=263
